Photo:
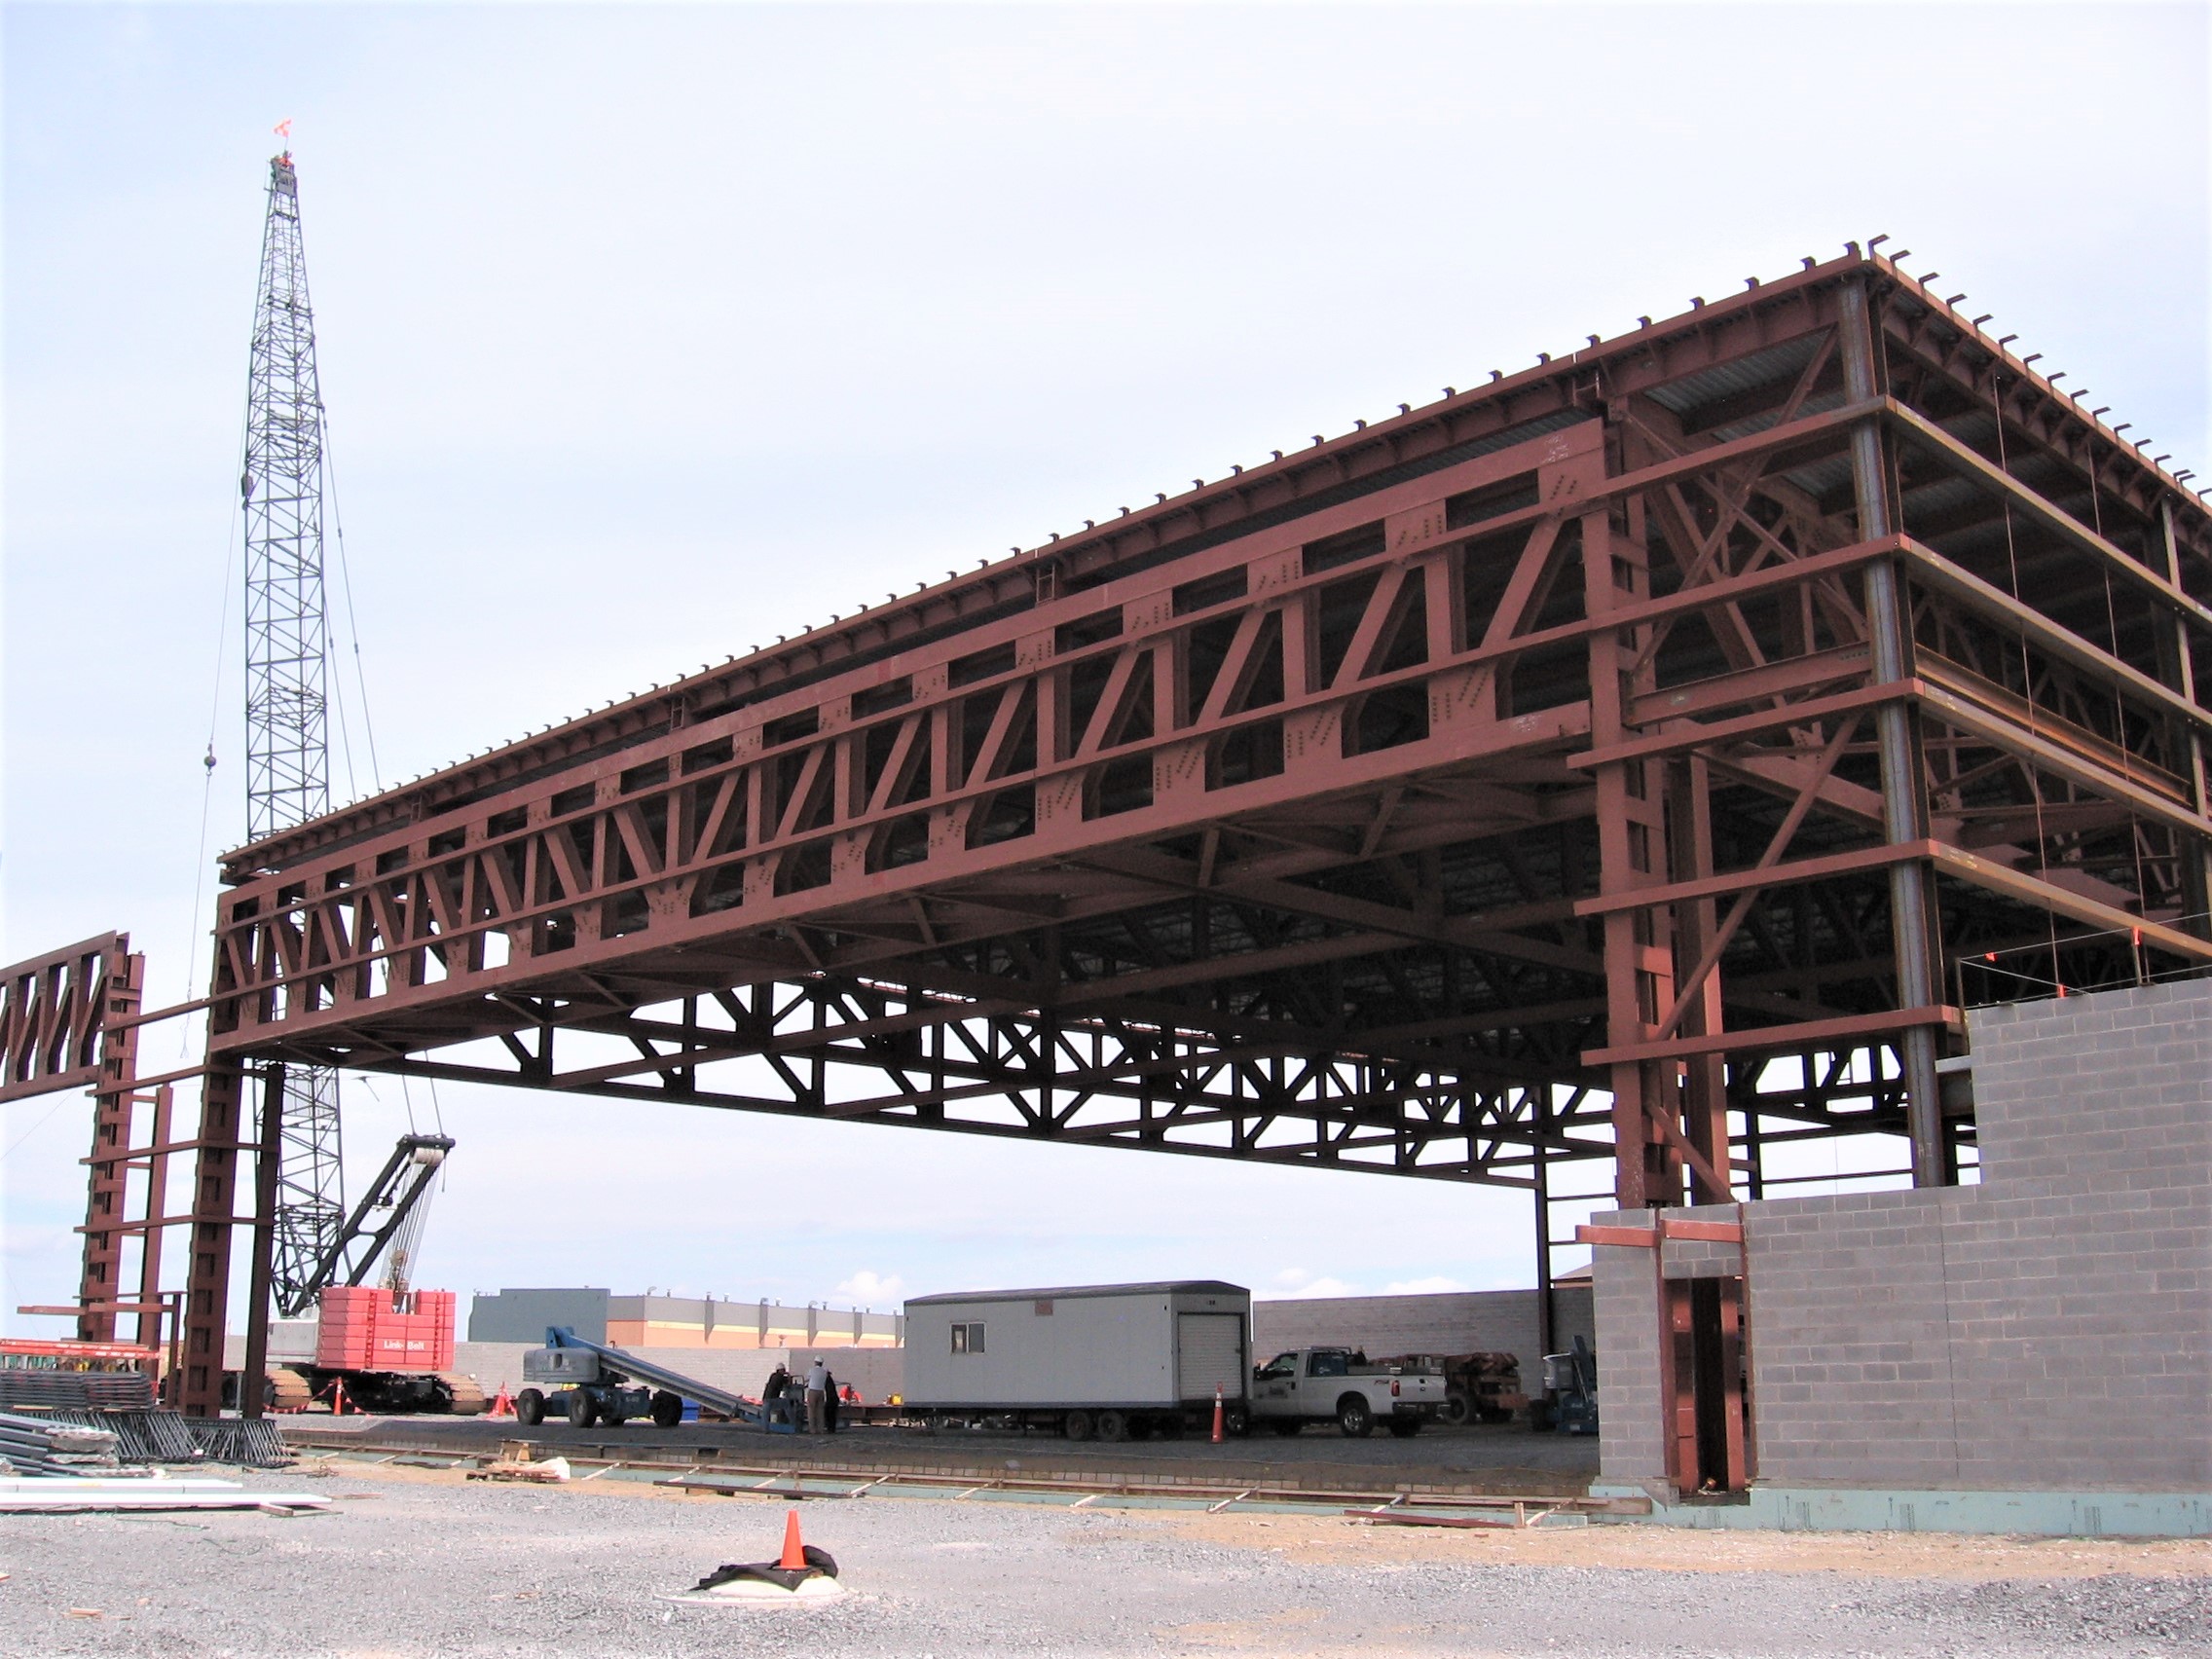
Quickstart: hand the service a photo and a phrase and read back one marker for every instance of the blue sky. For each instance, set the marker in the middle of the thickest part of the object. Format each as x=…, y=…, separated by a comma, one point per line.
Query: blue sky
x=649, y=333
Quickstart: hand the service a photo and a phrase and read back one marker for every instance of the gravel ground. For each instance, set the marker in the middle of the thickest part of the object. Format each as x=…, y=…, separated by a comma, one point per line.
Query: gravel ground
x=1490, y=1458
x=420, y=1562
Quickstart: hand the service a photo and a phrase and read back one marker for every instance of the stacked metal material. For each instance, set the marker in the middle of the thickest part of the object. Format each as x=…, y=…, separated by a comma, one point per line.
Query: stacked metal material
x=153, y=1436
x=84, y=1390
x=38, y=1446
x=247, y=1443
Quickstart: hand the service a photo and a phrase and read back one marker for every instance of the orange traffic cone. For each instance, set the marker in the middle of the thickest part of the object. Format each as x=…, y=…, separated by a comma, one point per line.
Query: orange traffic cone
x=338, y=1398
x=1217, y=1413
x=503, y=1406
x=795, y=1552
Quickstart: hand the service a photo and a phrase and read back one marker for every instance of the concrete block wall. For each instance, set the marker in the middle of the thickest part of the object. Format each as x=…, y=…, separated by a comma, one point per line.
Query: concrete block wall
x=1475, y=1321
x=2050, y=1328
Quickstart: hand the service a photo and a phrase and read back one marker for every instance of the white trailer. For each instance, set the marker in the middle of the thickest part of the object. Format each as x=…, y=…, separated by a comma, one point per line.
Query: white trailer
x=1120, y=1361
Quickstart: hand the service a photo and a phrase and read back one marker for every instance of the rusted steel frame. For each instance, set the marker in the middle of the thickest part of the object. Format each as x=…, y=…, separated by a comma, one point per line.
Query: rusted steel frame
x=1148, y=1135
x=2105, y=918
x=1904, y=800
x=1962, y=685
x=1139, y=1058
x=119, y=990
x=2151, y=583
x=668, y=745
x=261, y=1242
x=1687, y=986
x=2044, y=748
x=1824, y=868
x=443, y=863
x=1930, y=570
x=207, y=1272
x=2076, y=440
x=1807, y=1034
x=1676, y=738
x=1465, y=934
x=1351, y=773
x=1012, y=852
x=52, y=1013
x=1719, y=332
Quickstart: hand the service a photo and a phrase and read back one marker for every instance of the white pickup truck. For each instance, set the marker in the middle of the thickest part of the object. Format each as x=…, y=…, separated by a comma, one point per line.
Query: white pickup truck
x=1338, y=1385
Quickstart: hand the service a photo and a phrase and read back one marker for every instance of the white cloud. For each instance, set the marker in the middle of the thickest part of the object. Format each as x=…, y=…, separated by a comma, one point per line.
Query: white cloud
x=869, y=1289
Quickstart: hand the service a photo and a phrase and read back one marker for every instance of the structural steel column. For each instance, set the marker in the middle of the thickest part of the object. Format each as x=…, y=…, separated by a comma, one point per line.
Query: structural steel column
x=207, y=1279
x=100, y=1284
x=2196, y=854
x=1903, y=797
x=261, y=1277
x=1632, y=833
x=1704, y=1093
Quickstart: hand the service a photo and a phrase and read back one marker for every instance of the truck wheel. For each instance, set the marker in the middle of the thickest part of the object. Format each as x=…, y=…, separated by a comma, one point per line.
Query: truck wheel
x=582, y=1413
x=530, y=1408
x=1456, y=1408
x=1287, y=1426
x=1112, y=1425
x=1076, y=1426
x=1405, y=1428
x=668, y=1409
x=611, y=1418
x=1355, y=1418
x=1236, y=1421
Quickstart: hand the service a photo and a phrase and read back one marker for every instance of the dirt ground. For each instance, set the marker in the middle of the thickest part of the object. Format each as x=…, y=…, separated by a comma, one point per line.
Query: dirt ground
x=415, y=1562
x=1336, y=1540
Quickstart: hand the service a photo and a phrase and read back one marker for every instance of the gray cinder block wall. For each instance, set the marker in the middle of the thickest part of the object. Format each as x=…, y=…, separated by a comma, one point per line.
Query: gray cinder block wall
x=1475, y=1321
x=2047, y=1329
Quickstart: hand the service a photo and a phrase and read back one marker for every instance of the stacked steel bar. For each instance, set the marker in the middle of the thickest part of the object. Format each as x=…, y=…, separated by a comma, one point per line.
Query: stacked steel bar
x=35, y=1446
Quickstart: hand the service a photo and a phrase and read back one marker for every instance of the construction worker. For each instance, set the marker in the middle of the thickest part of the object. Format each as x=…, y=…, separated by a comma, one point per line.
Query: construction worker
x=829, y=1401
x=817, y=1392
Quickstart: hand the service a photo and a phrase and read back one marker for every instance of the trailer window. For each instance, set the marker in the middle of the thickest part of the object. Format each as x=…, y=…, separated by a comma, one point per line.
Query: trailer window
x=968, y=1338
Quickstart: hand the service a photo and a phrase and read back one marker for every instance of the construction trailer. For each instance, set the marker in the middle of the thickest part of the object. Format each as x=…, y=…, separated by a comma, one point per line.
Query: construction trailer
x=1119, y=1361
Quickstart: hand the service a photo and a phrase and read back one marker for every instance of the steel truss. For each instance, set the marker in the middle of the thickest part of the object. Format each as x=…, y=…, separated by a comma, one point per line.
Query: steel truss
x=1598, y=764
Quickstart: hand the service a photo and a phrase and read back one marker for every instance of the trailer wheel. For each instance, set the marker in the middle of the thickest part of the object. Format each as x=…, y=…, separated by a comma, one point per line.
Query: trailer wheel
x=668, y=1409
x=582, y=1413
x=1457, y=1408
x=1405, y=1428
x=1112, y=1425
x=1076, y=1426
x=530, y=1408
x=1287, y=1426
x=1355, y=1418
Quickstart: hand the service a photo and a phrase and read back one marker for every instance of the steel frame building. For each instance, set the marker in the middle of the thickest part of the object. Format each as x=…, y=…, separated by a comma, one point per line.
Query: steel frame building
x=1638, y=757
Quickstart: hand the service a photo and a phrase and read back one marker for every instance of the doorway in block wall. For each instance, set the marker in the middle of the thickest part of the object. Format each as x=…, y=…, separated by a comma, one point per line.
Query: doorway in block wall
x=1709, y=1447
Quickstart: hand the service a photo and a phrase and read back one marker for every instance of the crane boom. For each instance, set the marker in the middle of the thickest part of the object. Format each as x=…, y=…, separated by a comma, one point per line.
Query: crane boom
x=287, y=731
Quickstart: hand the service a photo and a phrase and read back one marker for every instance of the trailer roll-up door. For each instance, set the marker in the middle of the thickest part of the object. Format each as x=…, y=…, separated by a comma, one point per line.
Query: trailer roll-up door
x=1210, y=1349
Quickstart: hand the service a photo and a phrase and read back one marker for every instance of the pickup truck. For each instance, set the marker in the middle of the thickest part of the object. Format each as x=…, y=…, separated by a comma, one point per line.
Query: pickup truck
x=1338, y=1385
